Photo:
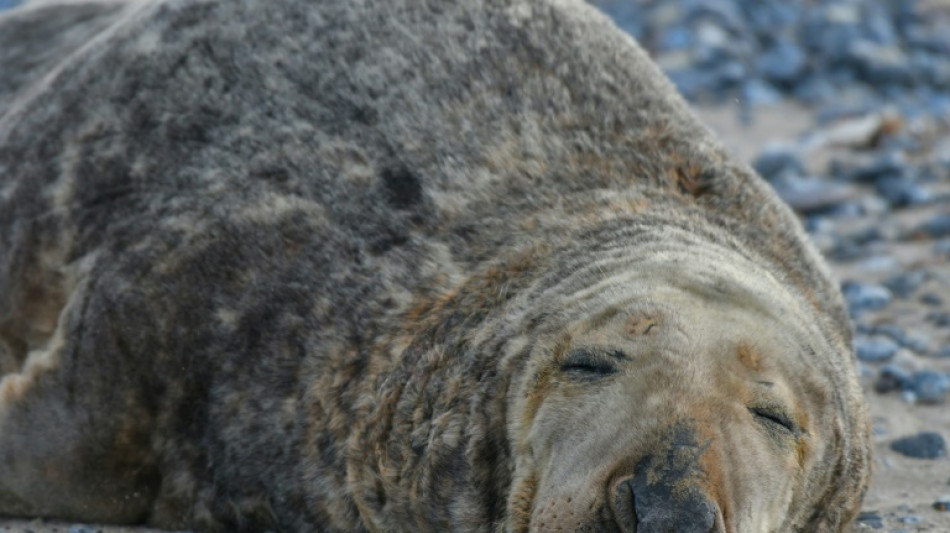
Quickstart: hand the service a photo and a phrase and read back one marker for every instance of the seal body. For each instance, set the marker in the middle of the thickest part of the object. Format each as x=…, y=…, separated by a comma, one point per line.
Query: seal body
x=399, y=266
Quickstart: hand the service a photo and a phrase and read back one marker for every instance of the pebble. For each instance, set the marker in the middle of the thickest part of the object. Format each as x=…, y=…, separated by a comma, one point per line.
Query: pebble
x=910, y=519
x=902, y=192
x=888, y=165
x=879, y=64
x=875, y=349
x=878, y=263
x=808, y=195
x=872, y=205
x=932, y=299
x=782, y=63
x=756, y=92
x=904, y=285
x=871, y=519
x=917, y=341
x=891, y=330
x=846, y=250
x=937, y=227
x=943, y=352
x=891, y=378
x=929, y=386
x=865, y=296
x=939, y=318
x=777, y=162
x=815, y=90
x=925, y=445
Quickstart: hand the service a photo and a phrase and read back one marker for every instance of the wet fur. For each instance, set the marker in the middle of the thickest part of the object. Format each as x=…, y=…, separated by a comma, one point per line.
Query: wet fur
x=263, y=262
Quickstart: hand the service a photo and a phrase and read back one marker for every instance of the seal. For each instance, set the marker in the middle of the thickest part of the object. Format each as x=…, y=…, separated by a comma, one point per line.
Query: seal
x=389, y=265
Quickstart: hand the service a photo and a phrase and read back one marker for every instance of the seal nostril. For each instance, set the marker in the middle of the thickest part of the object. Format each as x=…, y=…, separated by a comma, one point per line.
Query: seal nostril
x=623, y=507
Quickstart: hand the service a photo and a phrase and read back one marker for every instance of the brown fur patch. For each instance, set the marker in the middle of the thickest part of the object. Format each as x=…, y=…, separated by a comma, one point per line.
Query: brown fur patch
x=750, y=357
x=640, y=325
x=691, y=180
x=13, y=387
x=542, y=384
x=522, y=499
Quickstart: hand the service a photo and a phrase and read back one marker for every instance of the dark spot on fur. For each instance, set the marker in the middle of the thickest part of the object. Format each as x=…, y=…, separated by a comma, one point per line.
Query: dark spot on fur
x=184, y=18
x=365, y=115
x=388, y=241
x=466, y=232
x=193, y=128
x=693, y=181
x=403, y=189
x=275, y=174
x=141, y=118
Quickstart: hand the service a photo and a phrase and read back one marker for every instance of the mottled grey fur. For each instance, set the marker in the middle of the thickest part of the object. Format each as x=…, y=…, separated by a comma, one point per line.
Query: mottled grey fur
x=262, y=261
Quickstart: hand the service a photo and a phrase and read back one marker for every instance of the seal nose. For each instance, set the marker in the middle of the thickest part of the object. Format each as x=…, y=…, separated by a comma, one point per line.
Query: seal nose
x=643, y=507
x=665, y=493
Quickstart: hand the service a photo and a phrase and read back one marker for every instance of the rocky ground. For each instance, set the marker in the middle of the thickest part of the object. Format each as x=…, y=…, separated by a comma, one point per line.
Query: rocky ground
x=844, y=106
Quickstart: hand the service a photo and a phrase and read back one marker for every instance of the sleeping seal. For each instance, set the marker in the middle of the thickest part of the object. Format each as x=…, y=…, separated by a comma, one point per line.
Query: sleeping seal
x=392, y=265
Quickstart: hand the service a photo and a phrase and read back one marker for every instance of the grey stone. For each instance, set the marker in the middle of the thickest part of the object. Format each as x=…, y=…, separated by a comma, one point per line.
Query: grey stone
x=925, y=445
x=875, y=349
x=904, y=285
x=891, y=378
x=889, y=165
x=902, y=191
x=865, y=296
x=775, y=163
x=936, y=227
x=931, y=387
x=783, y=63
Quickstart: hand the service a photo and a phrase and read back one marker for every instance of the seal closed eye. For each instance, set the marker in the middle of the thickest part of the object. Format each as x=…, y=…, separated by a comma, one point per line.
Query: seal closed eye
x=591, y=363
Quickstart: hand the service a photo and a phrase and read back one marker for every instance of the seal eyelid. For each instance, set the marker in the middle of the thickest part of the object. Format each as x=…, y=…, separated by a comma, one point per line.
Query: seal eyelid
x=775, y=417
x=591, y=364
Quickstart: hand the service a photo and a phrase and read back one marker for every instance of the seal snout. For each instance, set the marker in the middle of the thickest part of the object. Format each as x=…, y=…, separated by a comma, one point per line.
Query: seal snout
x=644, y=508
x=665, y=493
